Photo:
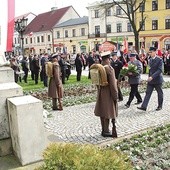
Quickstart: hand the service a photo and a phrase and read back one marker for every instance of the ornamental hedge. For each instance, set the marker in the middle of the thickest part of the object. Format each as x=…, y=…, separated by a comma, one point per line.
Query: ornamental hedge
x=60, y=156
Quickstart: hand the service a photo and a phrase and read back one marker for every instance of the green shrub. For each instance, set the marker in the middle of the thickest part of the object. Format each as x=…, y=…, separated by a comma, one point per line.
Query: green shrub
x=60, y=156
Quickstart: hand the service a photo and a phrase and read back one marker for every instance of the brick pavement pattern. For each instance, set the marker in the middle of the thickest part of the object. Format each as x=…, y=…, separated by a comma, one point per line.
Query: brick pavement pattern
x=79, y=125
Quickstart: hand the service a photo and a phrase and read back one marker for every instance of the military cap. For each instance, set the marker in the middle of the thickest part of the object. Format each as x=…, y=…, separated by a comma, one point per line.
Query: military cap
x=55, y=56
x=152, y=49
x=105, y=54
x=133, y=55
x=114, y=53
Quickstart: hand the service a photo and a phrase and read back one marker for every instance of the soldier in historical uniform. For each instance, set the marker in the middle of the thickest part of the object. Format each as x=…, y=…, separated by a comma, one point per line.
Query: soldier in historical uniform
x=134, y=80
x=106, y=106
x=55, y=89
x=155, y=80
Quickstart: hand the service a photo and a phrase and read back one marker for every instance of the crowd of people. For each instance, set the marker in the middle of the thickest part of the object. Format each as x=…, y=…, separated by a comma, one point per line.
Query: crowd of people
x=108, y=96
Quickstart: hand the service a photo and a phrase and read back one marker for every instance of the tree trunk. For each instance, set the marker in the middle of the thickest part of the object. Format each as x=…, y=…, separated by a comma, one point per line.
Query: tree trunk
x=136, y=34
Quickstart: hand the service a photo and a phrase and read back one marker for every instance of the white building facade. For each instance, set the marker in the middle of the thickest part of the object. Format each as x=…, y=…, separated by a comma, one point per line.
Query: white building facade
x=104, y=25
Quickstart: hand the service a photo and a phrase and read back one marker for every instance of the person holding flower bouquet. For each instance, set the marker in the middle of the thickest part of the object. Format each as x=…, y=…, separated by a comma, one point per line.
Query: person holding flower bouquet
x=134, y=71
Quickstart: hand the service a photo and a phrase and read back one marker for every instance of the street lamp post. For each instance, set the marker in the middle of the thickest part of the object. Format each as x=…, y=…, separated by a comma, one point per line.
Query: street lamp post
x=52, y=37
x=20, y=25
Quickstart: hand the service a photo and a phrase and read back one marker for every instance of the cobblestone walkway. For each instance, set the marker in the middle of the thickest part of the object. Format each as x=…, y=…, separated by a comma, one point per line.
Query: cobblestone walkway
x=78, y=123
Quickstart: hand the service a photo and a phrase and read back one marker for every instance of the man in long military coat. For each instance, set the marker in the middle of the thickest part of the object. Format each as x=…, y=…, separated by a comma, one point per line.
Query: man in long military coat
x=55, y=89
x=106, y=105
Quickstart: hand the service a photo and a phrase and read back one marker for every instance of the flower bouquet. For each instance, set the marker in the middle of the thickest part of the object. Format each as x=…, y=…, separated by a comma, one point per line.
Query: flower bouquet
x=129, y=69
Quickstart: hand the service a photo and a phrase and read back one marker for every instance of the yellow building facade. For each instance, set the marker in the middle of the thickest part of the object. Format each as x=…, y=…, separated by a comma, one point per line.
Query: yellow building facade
x=156, y=29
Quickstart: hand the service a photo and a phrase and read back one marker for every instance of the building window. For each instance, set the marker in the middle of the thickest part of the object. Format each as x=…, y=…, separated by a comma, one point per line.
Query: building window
x=82, y=31
x=73, y=32
x=97, y=31
x=154, y=5
x=142, y=7
x=167, y=4
x=49, y=38
x=167, y=24
x=108, y=28
x=96, y=13
x=108, y=12
x=119, y=27
x=58, y=34
x=118, y=10
x=42, y=38
x=38, y=39
x=66, y=33
x=30, y=40
x=26, y=41
x=154, y=24
x=167, y=44
x=155, y=44
x=143, y=25
x=129, y=27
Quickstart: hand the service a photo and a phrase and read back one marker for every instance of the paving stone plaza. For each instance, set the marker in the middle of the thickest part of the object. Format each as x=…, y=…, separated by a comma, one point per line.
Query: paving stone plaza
x=78, y=123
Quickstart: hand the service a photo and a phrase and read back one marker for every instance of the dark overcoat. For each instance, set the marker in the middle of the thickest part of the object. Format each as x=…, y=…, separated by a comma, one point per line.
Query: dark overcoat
x=55, y=88
x=106, y=105
x=155, y=70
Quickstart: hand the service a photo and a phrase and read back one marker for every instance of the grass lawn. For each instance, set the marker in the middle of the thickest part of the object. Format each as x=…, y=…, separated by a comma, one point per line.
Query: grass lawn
x=32, y=86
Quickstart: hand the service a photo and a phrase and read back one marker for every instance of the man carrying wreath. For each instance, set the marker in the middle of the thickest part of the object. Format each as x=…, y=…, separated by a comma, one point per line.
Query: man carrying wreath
x=134, y=78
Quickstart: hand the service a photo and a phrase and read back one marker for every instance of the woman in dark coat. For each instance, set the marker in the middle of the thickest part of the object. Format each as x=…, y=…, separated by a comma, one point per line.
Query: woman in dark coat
x=55, y=89
x=79, y=65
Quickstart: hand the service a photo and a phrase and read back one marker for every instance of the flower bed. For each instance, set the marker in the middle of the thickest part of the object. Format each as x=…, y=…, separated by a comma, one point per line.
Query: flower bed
x=148, y=151
x=82, y=93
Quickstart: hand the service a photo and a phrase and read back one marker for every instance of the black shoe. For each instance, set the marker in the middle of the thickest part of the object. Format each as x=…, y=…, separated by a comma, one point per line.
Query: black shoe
x=55, y=108
x=158, y=108
x=120, y=100
x=106, y=134
x=127, y=105
x=139, y=102
x=141, y=108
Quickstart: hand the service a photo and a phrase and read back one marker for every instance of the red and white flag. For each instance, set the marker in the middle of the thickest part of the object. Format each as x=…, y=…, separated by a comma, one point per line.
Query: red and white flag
x=10, y=28
x=159, y=53
x=125, y=44
x=7, y=13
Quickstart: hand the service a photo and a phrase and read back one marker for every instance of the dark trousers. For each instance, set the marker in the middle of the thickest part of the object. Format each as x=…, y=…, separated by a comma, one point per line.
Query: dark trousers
x=16, y=77
x=120, y=96
x=105, y=124
x=79, y=75
x=149, y=90
x=63, y=76
x=32, y=75
x=36, y=75
x=134, y=93
x=89, y=77
x=41, y=75
x=45, y=80
x=25, y=76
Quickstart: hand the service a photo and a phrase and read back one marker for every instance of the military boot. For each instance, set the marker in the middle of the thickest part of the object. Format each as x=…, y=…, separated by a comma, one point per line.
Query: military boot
x=114, y=132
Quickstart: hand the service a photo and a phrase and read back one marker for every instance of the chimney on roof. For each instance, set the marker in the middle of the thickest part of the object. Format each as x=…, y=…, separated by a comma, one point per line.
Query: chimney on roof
x=54, y=8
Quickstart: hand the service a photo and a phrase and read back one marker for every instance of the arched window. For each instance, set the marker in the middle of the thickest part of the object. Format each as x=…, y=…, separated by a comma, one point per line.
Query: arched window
x=167, y=43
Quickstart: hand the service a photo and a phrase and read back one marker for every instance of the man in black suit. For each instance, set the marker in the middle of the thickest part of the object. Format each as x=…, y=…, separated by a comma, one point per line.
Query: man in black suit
x=117, y=65
x=155, y=80
x=90, y=61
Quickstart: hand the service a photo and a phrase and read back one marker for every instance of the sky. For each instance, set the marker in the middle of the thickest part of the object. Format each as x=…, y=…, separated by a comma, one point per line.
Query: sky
x=41, y=6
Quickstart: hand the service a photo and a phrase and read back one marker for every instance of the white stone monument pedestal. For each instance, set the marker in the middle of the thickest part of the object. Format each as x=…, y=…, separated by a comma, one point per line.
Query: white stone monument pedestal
x=7, y=89
x=27, y=128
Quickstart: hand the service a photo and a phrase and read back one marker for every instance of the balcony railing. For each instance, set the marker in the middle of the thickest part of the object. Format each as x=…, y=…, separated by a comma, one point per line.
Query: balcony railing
x=101, y=35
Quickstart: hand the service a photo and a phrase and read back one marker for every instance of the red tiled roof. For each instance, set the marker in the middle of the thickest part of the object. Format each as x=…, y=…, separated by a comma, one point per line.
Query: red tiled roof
x=46, y=21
